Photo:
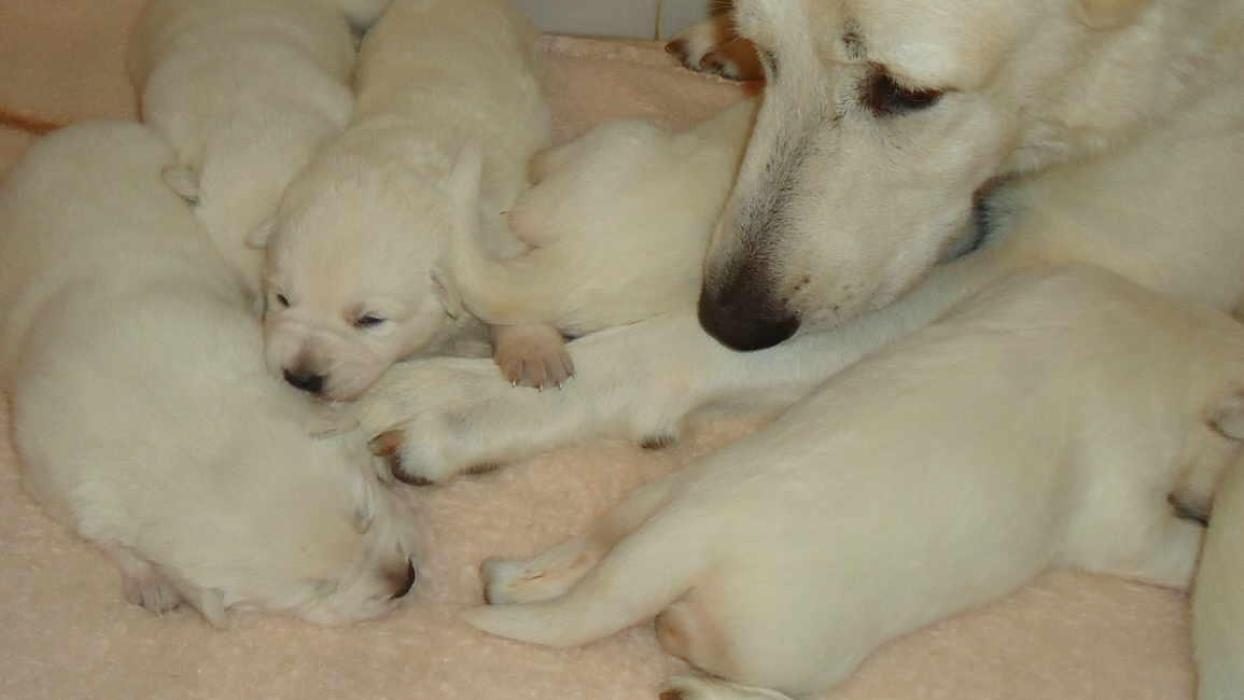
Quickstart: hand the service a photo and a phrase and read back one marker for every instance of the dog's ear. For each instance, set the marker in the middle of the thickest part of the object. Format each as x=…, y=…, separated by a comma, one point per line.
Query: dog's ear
x=1228, y=417
x=1109, y=14
x=259, y=236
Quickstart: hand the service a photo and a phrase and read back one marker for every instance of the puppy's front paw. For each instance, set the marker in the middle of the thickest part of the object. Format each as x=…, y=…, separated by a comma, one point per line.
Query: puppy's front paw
x=532, y=355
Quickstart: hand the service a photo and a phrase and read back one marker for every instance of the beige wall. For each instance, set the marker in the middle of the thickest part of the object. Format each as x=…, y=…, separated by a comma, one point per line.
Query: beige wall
x=642, y=19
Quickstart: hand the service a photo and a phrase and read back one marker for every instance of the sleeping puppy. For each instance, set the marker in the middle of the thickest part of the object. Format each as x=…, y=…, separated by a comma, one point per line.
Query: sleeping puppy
x=352, y=276
x=620, y=221
x=245, y=90
x=1042, y=424
x=142, y=411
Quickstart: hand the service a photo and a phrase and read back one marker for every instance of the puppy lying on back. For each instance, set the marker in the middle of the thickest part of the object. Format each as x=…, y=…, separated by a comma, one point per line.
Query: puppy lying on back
x=142, y=411
x=352, y=278
x=1043, y=423
x=620, y=221
x=245, y=90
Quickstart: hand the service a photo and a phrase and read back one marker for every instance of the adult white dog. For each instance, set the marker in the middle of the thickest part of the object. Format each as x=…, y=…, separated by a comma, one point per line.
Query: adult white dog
x=352, y=280
x=1117, y=121
x=898, y=493
x=142, y=410
x=245, y=90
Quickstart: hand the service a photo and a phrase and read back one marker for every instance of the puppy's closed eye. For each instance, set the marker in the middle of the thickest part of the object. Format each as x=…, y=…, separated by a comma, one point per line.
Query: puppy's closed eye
x=369, y=321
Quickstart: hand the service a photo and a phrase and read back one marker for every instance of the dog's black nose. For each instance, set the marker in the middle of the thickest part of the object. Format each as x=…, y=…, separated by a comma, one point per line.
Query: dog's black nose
x=406, y=582
x=745, y=327
x=306, y=381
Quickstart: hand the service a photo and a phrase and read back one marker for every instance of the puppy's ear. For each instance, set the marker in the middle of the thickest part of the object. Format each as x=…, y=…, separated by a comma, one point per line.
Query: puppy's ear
x=1228, y=417
x=259, y=236
x=1109, y=14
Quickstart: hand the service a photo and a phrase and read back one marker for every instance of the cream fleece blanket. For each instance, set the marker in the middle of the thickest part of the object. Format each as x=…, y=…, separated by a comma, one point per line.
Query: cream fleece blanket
x=65, y=633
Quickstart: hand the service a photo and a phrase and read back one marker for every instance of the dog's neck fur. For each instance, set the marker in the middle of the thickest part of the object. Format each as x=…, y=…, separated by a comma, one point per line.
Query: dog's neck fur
x=1181, y=57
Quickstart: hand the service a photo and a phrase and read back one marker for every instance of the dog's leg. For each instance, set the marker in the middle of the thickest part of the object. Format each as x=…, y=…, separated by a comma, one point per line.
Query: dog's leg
x=557, y=570
x=705, y=688
x=438, y=417
x=532, y=355
x=1218, y=601
x=142, y=584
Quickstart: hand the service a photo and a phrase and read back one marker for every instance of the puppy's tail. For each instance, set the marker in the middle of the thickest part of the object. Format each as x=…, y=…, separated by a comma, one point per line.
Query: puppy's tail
x=502, y=292
x=1218, y=601
x=640, y=577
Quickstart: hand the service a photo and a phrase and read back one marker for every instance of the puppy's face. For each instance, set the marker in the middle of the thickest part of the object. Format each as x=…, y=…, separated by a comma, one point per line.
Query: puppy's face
x=880, y=123
x=332, y=546
x=350, y=283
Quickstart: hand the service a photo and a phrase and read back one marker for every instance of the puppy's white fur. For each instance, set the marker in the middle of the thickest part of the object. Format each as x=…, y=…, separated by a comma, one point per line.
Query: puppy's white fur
x=142, y=411
x=1041, y=424
x=619, y=238
x=245, y=90
x=352, y=277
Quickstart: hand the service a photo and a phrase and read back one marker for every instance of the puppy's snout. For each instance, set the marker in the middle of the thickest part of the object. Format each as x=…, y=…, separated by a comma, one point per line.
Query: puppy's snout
x=743, y=315
x=303, y=380
x=404, y=581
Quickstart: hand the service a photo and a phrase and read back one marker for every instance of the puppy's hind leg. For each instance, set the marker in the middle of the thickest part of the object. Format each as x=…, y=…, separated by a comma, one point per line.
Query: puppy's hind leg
x=557, y=570
x=142, y=584
x=183, y=180
x=705, y=688
x=532, y=355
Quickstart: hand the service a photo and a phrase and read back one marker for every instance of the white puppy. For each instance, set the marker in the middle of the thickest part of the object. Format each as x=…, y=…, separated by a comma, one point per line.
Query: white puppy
x=618, y=235
x=142, y=410
x=352, y=277
x=245, y=90
x=899, y=493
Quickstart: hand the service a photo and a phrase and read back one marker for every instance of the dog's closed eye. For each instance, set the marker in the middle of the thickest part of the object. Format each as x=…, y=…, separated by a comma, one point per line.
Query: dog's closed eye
x=884, y=97
x=369, y=321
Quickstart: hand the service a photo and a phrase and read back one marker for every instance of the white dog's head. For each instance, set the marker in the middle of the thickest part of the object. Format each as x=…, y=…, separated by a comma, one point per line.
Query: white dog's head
x=308, y=529
x=351, y=280
x=881, y=121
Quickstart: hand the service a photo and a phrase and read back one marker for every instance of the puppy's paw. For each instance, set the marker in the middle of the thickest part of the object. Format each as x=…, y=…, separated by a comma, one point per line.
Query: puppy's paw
x=184, y=181
x=514, y=581
x=702, y=688
x=142, y=584
x=712, y=46
x=532, y=355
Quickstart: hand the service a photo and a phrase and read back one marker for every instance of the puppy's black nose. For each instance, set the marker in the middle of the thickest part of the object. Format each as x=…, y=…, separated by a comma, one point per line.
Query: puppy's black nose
x=406, y=582
x=745, y=327
x=306, y=381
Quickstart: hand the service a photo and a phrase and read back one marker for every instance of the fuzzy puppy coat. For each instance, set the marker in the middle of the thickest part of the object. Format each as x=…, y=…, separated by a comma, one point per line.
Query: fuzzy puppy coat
x=245, y=90
x=618, y=235
x=1043, y=423
x=142, y=411
x=353, y=278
